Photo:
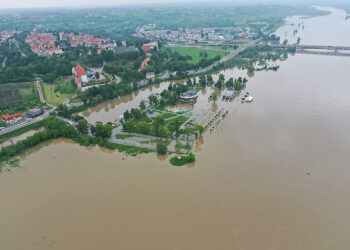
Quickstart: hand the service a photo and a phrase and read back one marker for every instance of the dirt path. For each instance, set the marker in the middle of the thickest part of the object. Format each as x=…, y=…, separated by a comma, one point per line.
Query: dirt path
x=41, y=96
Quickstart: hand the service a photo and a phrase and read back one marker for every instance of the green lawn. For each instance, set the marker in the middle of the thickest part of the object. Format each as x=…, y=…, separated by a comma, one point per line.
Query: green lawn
x=181, y=119
x=168, y=115
x=195, y=53
x=18, y=97
x=66, y=89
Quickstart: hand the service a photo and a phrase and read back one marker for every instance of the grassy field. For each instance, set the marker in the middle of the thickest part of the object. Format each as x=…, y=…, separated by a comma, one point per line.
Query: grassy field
x=195, y=53
x=58, y=92
x=18, y=97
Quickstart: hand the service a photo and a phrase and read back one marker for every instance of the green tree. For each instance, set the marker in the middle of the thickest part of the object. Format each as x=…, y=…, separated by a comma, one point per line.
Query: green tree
x=82, y=125
x=162, y=148
x=159, y=120
x=142, y=105
x=210, y=80
x=189, y=82
x=190, y=157
x=237, y=85
x=229, y=83
x=136, y=113
x=214, y=96
x=104, y=131
x=199, y=128
x=202, y=81
x=188, y=131
x=126, y=115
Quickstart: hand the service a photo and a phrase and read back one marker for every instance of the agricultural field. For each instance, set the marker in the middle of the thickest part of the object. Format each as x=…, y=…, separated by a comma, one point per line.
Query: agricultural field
x=197, y=54
x=17, y=97
x=59, y=91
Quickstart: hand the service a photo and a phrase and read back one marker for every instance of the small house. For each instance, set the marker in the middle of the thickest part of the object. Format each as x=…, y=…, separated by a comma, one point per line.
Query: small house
x=228, y=95
x=9, y=119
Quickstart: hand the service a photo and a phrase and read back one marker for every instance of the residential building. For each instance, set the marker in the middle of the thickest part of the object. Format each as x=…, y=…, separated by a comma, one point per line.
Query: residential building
x=150, y=75
x=9, y=119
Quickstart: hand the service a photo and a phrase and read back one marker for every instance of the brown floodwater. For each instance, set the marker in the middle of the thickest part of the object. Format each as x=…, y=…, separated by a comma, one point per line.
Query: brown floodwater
x=273, y=175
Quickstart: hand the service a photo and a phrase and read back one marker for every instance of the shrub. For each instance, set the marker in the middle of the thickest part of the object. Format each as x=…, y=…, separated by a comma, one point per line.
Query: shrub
x=162, y=149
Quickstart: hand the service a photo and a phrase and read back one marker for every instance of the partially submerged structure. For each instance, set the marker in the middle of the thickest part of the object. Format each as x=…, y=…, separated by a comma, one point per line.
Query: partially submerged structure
x=228, y=95
x=189, y=96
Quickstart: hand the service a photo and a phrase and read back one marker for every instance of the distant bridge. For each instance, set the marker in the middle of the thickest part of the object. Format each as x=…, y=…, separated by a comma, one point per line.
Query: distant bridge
x=306, y=47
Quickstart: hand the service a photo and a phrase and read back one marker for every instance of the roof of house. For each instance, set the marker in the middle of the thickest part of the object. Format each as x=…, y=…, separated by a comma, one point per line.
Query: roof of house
x=10, y=117
x=80, y=70
x=36, y=112
x=146, y=48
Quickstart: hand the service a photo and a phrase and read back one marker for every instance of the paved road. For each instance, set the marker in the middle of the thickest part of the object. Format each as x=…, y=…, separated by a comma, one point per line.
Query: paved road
x=24, y=123
x=16, y=43
x=135, y=143
x=232, y=53
x=4, y=62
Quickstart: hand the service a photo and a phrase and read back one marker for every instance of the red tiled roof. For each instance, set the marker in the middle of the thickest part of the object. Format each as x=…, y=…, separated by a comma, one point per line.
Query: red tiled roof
x=146, y=48
x=80, y=70
x=11, y=117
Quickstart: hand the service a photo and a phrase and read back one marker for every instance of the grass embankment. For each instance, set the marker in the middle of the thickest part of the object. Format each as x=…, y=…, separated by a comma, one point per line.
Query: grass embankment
x=55, y=128
x=86, y=140
x=195, y=53
x=122, y=136
x=59, y=91
x=20, y=131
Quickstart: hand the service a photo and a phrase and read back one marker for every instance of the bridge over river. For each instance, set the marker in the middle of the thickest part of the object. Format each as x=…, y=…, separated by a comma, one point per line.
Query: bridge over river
x=313, y=47
x=329, y=50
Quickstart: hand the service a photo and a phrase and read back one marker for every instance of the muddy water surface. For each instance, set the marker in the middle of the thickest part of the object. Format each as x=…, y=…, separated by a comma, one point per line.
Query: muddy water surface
x=273, y=175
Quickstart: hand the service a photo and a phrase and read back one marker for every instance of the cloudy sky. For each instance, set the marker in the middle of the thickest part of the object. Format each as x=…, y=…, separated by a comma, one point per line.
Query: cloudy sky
x=88, y=3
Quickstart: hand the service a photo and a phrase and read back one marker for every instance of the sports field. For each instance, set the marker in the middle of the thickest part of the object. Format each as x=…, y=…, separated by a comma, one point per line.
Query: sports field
x=196, y=53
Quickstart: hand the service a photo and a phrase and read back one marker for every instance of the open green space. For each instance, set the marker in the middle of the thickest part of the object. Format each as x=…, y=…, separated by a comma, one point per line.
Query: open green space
x=197, y=54
x=18, y=97
x=59, y=91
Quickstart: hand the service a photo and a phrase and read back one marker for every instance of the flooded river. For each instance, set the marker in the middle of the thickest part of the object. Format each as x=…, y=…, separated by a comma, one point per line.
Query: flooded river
x=274, y=175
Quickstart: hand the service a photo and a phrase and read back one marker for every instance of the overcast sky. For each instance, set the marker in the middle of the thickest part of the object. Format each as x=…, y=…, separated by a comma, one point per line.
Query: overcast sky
x=88, y=3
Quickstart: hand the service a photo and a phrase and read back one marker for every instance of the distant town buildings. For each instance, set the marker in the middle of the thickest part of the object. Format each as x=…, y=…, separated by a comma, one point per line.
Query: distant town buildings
x=149, y=46
x=194, y=35
x=150, y=75
x=9, y=119
x=125, y=49
x=5, y=35
x=43, y=44
x=88, y=40
x=80, y=76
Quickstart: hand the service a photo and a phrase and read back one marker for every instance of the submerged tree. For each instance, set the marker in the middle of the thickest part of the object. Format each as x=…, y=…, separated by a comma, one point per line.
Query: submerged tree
x=214, y=96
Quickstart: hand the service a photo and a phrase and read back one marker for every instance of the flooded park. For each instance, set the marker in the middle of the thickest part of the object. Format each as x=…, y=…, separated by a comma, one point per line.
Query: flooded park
x=274, y=174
